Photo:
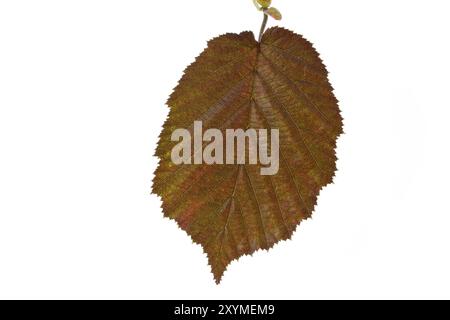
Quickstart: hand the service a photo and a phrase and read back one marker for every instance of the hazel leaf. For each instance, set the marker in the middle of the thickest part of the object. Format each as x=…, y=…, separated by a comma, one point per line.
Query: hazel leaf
x=239, y=83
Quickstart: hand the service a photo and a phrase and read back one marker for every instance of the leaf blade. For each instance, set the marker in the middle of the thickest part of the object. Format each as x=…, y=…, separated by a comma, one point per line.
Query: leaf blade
x=239, y=83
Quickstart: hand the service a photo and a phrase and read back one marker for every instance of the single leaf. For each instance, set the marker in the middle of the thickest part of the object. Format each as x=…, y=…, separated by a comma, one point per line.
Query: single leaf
x=233, y=210
x=274, y=13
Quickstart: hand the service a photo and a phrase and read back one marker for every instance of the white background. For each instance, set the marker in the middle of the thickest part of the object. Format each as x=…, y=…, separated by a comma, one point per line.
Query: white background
x=83, y=86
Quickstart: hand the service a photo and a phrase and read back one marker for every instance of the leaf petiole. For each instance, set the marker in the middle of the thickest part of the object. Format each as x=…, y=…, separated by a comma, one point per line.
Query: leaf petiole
x=263, y=26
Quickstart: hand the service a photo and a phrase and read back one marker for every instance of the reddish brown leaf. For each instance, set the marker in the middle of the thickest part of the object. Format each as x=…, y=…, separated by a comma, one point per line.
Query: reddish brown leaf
x=232, y=210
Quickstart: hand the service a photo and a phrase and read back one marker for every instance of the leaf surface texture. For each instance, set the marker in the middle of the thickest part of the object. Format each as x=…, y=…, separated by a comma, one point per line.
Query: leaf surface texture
x=233, y=210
